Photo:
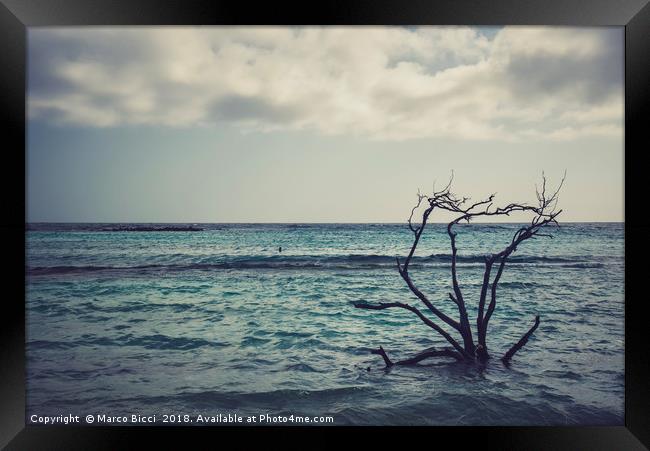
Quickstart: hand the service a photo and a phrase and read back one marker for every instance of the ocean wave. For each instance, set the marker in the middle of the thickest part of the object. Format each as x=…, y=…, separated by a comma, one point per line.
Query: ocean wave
x=272, y=397
x=358, y=405
x=156, y=342
x=306, y=262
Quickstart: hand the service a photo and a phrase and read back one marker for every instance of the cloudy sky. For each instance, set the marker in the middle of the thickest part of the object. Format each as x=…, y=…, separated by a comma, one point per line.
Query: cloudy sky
x=252, y=124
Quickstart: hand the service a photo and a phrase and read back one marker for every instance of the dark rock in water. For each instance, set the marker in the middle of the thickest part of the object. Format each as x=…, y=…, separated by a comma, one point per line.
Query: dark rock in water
x=152, y=229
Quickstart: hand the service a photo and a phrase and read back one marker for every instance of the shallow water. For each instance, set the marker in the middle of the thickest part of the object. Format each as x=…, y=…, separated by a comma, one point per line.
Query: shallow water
x=218, y=321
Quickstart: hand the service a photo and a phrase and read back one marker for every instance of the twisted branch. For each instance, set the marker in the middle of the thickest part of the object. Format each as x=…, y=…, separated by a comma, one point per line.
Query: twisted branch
x=520, y=344
x=426, y=354
x=425, y=320
x=544, y=214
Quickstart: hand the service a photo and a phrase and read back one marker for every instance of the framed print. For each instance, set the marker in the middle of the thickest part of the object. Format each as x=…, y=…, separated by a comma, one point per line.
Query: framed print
x=291, y=222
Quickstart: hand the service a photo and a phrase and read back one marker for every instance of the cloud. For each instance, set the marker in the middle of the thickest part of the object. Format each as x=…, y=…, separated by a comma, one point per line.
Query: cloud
x=385, y=83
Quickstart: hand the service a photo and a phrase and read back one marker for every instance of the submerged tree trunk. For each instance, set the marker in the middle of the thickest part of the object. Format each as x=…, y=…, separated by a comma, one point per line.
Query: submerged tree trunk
x=463, y=348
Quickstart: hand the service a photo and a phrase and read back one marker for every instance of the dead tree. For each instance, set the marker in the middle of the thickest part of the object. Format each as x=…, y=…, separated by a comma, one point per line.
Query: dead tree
x=466, y=348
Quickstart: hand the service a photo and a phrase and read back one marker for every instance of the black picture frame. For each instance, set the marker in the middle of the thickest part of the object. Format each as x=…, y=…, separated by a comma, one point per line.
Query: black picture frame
x=17, y=15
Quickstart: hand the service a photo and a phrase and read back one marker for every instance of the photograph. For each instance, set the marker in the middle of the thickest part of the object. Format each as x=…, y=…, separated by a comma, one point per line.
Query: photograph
x=325, y=226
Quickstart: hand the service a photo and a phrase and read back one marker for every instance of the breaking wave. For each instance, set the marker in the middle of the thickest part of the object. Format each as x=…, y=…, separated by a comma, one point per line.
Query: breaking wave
x=306, y=262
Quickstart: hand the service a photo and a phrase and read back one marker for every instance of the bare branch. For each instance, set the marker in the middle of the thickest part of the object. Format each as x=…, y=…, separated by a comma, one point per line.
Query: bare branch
x=429, y=353
x=426, y=354
x=410, y=223
x=481, y=303
x=543, y=214
x=465, y=328
x=540, y=220
x=425, y=301
x=417, y=231
x=403, y=267
x=383, y=355
x=493, y=297
x=520, y=344
x=425, y=320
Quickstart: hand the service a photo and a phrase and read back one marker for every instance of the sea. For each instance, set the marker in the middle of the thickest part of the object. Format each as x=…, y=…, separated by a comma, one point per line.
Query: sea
x=258, y=319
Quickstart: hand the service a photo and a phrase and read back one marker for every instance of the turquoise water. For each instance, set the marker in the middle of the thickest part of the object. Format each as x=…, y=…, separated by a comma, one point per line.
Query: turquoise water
x=219, y=321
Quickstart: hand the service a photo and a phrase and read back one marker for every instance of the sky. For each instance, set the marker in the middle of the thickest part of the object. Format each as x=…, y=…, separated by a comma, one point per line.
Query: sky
x=319, y=124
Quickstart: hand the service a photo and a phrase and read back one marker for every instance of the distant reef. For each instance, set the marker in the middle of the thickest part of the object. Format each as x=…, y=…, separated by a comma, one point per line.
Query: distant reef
x=152, y=229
